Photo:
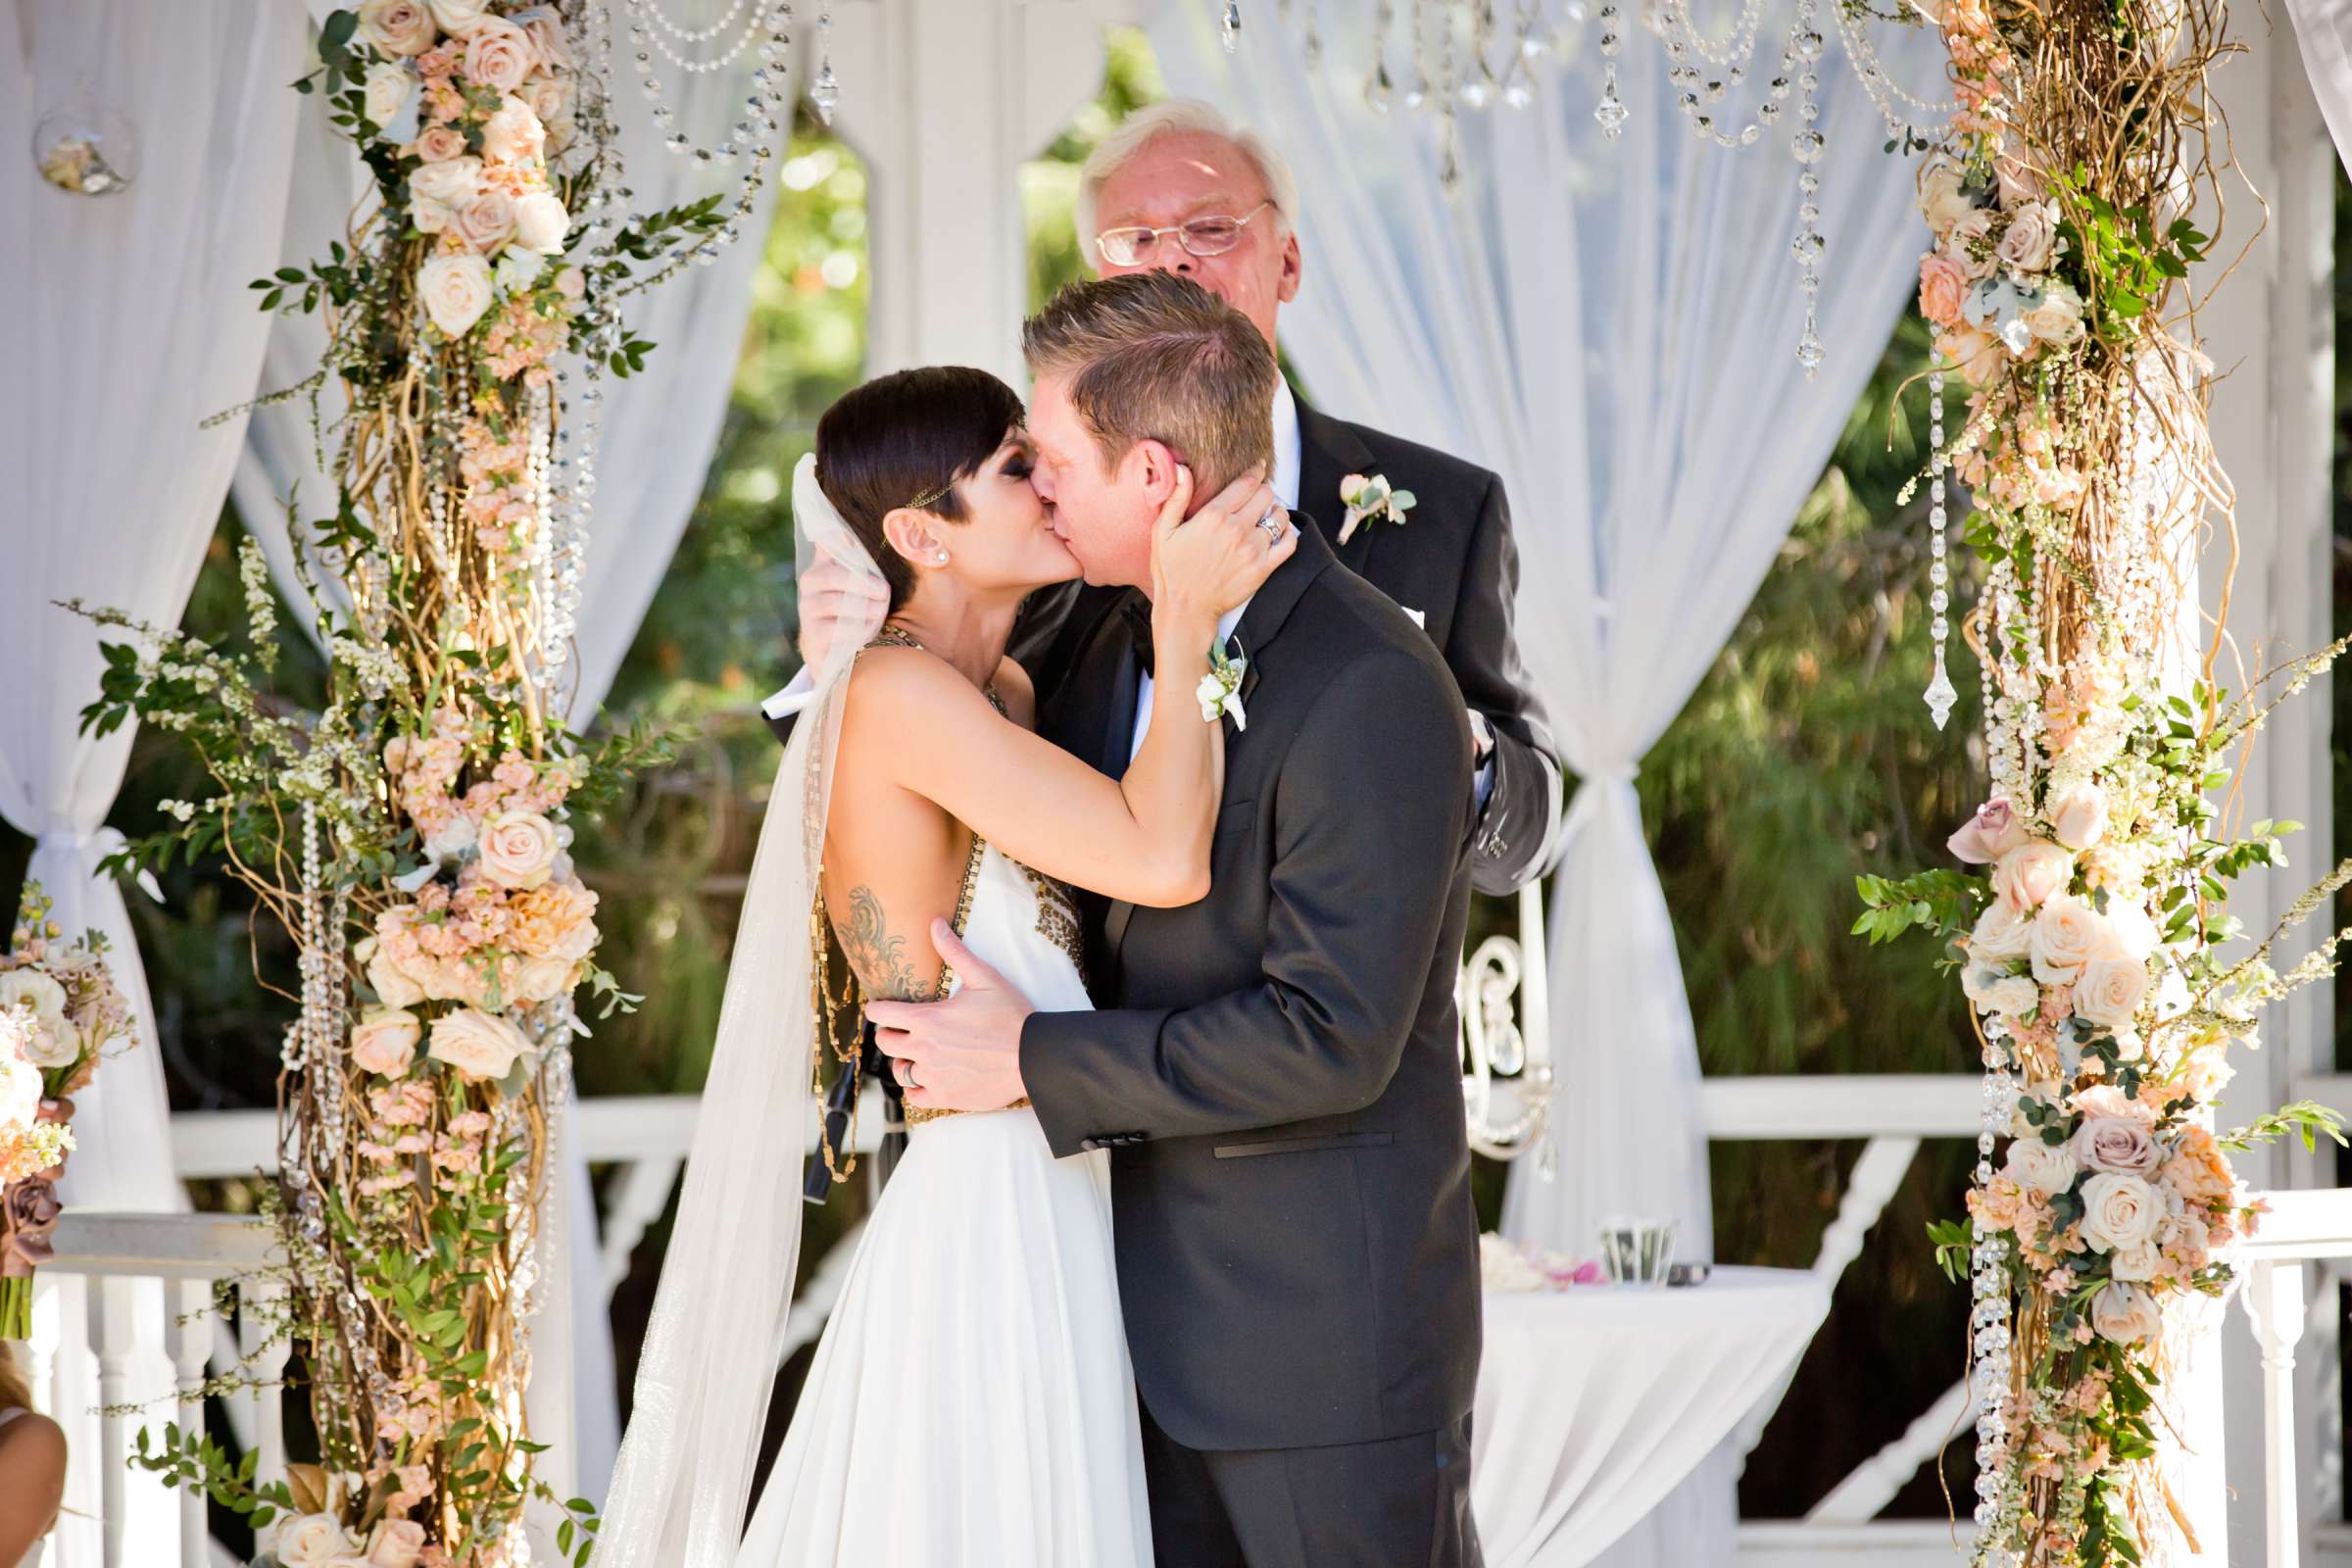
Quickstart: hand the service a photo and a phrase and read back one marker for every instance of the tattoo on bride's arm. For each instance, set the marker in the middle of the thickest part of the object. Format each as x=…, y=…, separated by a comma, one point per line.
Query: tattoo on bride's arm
x=878, y=956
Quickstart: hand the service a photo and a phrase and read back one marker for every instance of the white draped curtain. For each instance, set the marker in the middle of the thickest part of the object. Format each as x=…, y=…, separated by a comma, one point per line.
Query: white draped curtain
x=127, y=323
x=658, y=431
x=1612, y=326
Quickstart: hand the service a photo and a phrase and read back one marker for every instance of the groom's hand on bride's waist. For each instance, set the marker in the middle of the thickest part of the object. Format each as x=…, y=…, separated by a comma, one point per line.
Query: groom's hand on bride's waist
x=964, y=1053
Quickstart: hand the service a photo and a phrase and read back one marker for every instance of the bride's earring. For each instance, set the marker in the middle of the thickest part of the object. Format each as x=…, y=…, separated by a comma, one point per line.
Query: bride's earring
x=941, y=559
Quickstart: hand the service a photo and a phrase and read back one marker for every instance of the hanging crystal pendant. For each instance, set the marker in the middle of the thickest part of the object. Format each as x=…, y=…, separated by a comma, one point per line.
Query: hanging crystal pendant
x=825, y=92
x=1379, y=90
x=1809, y=351
x=1518, y=86
x=1611, y=111
x=1940, y=696
x=1480, y=90
x=1229, y=26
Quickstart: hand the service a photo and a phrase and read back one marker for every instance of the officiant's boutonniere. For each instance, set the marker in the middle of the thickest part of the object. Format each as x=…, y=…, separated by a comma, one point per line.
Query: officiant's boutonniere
x=1369, y=498
x=1220, y=690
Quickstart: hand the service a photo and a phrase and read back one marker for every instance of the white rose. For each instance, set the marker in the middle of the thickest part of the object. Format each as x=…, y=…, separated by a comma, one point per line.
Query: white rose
x=452, y=839
x=514, y=135
x=2066, y=933
x=396, y=27
x=2128, y=932
x=2058, y=317
x=2079, y=816
x=2135, y=1263
x=2003, y=932
x=1940, y=198
x=1977, y=978
x=542, y=979
x=477, y=1045
x=429, y=216
x=310, y=1540
x=456, y=290
x=459, y=16
x=2033, y=872
x=541, y=222
x=2039, y=1168
x=452, y=181
x=52, y=1040
x=384, y=1041
x=518, y=850
x=2014, y=997
x=2109, y=991
x=2126, y=1314
x=2118, y=1211
x=388, y=88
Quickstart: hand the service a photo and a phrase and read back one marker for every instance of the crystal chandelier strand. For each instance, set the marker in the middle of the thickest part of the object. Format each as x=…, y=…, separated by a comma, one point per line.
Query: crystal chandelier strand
x=660, y=19
x=1940, y=696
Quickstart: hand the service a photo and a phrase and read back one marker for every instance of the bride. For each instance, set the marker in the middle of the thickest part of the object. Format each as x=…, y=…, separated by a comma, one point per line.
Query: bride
x=971, y=1401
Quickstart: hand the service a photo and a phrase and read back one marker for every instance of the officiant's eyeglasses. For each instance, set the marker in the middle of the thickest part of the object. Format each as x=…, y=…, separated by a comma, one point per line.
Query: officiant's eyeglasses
x=1212, y=236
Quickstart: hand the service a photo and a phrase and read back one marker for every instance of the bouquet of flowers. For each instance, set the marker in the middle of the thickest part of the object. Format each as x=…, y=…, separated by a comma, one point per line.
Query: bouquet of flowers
x=58, y=1012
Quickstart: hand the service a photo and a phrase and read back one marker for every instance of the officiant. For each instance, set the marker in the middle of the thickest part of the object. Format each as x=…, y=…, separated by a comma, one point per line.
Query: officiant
x=1177, y=188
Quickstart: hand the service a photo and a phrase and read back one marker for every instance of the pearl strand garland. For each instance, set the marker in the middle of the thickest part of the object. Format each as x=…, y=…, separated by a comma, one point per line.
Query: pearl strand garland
x=1940, y=694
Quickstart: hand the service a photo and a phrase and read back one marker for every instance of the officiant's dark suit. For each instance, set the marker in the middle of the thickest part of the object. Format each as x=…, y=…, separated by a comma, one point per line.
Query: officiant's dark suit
x=1291, y=1178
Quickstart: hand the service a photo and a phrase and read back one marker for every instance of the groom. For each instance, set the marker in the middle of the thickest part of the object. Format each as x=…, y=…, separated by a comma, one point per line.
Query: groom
x=1276, y=1071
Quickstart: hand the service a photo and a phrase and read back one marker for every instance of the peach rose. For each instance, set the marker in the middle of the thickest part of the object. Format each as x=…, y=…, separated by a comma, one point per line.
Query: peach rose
x=2118, y=1211
x=1942, y=289
x=478, y=1045
x=499, y=54
x=456, y=289
x=398, y=1544
x=540, y=224
x=2066, y=933
x=2079, y=817
x=396, y=27
x=384, y=1041
x=2033, y=872
x=2120, y=1145
x=2110, y=991
x=514, y=135
x=487, y=222
x=2126, y=1314
x=1976, y=357
x=2198, y=1170
x=518, y=850
x=437, y=145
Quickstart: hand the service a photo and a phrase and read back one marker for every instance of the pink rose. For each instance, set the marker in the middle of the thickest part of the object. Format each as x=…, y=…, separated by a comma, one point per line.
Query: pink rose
x=572, y=283
x=487, y=222
x=438, y=146
x=2032, y=872
x=1997, y=828
x=2079, y=817
x=2120, y=1145
x=514, y=135
x=384, y=1041
x=396, y=27
x=1942, y=289
x=478, y=1045
x=518, y=848
x=398, y=1544
x=547, y=34
x=2030, y=238
x=499, y=54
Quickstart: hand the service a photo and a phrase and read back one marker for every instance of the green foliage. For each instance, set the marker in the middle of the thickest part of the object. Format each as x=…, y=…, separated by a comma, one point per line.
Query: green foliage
x=2126, y=260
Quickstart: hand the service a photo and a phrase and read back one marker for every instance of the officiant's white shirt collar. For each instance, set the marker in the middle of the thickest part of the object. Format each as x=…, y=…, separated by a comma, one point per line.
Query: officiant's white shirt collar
x=796, y=696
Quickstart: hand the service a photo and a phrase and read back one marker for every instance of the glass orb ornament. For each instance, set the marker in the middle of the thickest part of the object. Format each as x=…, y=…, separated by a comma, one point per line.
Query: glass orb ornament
x=86, y=150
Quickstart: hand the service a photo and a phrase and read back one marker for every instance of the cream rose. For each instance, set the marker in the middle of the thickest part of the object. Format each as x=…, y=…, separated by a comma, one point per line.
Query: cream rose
x=393, y=984
x=2003, y=932
x=2109, y=991
x=514, y=135
x=458, y=16
x=388, y=88
x=2135, y=1263
x=2126, y=1314
x=2079, y=820
x=2058, y=317
x=437, y=145
x=2040, y=1168
x=550, y=98
x=2128, y=933
x=487, y=222
x=1940, y=197
x=396, y=27
x=456, y=289
x=2030, y=238
x=452, y=181
x=310, y=1541
x=541, y=222
x=542, y=979
x=2066, y=933
x=477, y=1044
x=452, y=838
x=499, y=54
x=429, y=216
x=2118, y=1211
x=2014, y=997
x=2117, y=1146
x=2033, y=872
x=384, y=1041
x=518, y=848
x=1977, y=978
x=398, y=1544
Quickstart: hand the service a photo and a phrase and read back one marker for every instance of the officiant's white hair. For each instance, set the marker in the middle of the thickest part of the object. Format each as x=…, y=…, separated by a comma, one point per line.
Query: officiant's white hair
x=1176, y=116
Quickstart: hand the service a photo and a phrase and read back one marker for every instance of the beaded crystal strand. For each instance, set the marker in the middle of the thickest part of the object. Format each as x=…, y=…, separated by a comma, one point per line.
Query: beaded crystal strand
x=1940, y=694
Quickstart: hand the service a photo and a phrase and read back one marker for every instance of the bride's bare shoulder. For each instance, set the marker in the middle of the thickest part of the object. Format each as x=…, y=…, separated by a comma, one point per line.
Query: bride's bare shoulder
x=1017, y=692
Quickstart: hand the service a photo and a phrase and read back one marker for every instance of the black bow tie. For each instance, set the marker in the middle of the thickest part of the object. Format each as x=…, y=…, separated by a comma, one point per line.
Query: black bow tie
x=1137, y=613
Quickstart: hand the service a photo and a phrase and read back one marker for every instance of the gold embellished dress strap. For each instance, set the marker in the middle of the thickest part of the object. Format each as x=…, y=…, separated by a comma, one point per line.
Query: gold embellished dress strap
x=916, y=1115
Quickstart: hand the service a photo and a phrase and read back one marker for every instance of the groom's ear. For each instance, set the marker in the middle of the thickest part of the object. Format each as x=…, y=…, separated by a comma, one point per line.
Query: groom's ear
x=914, y=534
x=1156, y=465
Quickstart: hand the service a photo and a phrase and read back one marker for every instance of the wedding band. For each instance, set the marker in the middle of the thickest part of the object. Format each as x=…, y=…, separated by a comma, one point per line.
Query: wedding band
x=1271, y=521
x=906, y=1076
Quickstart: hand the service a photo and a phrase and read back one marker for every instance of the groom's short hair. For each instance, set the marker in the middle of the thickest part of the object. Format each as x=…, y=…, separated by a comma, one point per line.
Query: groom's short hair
x=1151, y=355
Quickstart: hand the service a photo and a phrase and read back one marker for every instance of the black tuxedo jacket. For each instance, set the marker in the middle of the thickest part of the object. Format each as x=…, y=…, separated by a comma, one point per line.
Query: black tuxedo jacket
x=1276, y=1071
x=1454, y=563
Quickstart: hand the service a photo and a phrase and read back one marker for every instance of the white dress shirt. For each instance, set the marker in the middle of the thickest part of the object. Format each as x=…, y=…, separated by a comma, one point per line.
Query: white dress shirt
x=1143, y=688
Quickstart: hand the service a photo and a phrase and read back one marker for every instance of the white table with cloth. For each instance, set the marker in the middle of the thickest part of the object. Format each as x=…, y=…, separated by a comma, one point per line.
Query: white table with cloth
x=1593, y=1402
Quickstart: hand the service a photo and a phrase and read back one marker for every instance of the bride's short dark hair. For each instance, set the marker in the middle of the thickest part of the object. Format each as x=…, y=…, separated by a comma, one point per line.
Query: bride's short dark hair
x=906, y=440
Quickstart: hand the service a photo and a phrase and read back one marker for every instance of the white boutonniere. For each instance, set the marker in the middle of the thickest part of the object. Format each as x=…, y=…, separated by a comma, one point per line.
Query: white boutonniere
x=1369, y=498
x=1220, y=690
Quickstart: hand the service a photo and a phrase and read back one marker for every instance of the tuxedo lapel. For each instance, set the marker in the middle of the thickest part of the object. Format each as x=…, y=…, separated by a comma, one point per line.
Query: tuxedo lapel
x=1328, y=452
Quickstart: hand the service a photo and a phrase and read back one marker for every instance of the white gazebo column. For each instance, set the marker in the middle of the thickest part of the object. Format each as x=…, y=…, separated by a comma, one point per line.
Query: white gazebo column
x=2270, y=332
x=943, y=103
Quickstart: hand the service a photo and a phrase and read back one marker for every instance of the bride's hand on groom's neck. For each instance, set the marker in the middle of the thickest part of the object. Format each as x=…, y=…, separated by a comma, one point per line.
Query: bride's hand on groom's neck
x=1213, y=559
x=964, y=1053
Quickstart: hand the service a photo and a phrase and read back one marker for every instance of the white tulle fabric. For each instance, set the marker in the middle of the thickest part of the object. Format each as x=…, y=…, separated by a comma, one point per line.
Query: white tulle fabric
x=685, y=1469
x=971, y=1402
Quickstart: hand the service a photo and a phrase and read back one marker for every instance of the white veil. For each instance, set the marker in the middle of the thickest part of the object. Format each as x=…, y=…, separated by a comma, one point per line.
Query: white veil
x=685, y=1469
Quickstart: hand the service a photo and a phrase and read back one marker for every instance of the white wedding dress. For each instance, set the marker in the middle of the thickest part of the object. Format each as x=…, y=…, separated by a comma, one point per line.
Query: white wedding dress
x=971, y=1403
